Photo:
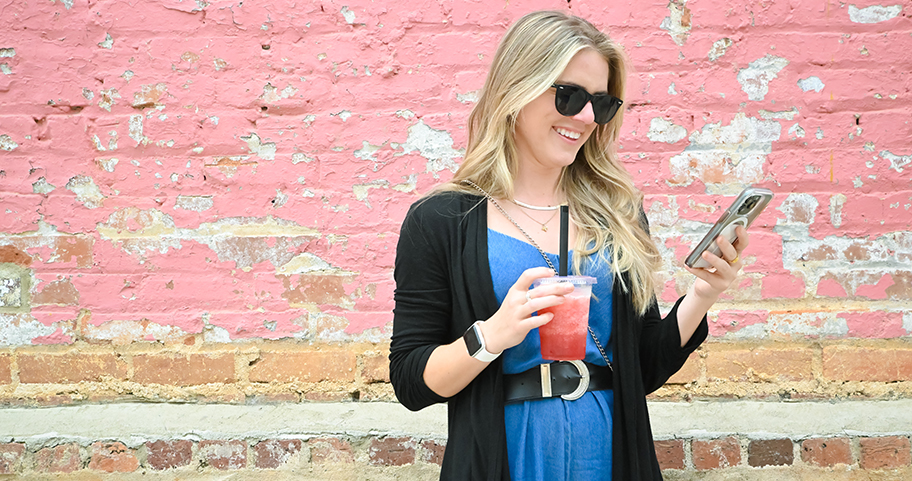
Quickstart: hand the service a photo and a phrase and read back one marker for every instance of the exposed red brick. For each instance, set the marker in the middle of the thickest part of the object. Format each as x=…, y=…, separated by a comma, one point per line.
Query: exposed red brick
x=765, y=364
x=689, y=373
x=163, y=455
x=849, y=363
x=70, y=367
x=6, y=374
x=716, y=453
x=272, y=453
x=59, y=293
x=375, y=367
x=113, y=457
x=183, y=369
x=391, y=451
x=317, y=289
x=64, y=458
x=827, y=453
x=885, y=453
x=311, y=366
x=330, y=450
x=78, y=248
x=670, y=453
x=11, y=457
x=224, y=455
x=901, y=289
x=770, y=452
x=822, y=253
x=11, y=255
x=432, y=452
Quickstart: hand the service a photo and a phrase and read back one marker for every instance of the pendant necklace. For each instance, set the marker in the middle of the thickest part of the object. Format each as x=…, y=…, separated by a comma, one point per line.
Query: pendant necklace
x=544, y=226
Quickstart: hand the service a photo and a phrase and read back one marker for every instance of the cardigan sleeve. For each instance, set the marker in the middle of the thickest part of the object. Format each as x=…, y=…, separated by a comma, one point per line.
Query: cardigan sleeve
x=422, y=304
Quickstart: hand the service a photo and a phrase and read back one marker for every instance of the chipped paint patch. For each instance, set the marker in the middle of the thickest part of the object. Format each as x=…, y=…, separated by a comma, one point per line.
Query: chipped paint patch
x=107, y=43
x=661, y=130
x=41, y=186
x=263, y=150
x=22, y=329
x=197, y=203
x=361, y=190
x=897, y=162
x=728, y=157
x=678, y=22
x=87, y=193
x=7, y=52
x=874, y=13
x=434, y=145
x=719, y=48
x=756, y=77
x=7, y=143
x=836, y=204
x=810, y=83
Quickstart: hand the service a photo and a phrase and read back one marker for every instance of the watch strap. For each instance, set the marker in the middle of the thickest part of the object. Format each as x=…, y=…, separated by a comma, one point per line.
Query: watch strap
x=473, y=333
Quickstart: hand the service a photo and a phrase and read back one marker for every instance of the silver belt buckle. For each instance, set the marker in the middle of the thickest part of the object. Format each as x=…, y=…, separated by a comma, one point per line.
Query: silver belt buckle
x=577, y=393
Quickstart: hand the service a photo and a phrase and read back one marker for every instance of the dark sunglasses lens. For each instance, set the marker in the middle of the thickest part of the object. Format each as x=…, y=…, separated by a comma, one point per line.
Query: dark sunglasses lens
x=570, y=100
x=605, y=108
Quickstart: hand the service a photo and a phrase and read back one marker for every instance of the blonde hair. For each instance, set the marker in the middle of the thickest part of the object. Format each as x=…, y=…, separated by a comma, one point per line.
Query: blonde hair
x=604, y=203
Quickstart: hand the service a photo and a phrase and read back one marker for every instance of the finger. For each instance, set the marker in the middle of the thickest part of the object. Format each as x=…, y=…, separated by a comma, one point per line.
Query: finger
x=537, y=321
x=539, y=303
x=728, y=251
x=529, y=275
x=743, y=238
x=715, y=261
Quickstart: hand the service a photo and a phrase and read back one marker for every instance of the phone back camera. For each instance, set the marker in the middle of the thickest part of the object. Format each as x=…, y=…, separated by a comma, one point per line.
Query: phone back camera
x=748, y=205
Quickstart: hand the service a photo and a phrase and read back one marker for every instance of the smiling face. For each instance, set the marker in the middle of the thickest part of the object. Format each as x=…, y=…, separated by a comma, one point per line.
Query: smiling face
x=545, y=139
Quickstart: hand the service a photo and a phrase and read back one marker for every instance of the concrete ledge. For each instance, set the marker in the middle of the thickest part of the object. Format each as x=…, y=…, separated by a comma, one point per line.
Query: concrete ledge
x=136, y=423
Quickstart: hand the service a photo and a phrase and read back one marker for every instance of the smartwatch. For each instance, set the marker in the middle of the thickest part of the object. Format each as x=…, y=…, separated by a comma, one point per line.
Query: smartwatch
x=476, y=345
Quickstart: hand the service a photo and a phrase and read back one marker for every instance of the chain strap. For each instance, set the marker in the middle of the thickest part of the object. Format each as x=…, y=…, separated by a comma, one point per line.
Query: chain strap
x=544, y=256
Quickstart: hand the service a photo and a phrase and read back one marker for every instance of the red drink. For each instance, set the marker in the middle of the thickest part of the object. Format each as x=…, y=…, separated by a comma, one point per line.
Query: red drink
x=564, y=338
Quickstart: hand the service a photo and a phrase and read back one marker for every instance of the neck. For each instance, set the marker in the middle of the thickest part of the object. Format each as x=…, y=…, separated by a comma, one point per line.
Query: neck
x=538, y=188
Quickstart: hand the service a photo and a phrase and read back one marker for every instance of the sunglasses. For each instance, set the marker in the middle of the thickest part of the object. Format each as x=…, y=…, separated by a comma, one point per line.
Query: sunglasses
x=570, y=100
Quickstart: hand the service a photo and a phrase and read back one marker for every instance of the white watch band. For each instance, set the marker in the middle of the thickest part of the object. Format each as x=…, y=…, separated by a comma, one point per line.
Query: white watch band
x=482, y=354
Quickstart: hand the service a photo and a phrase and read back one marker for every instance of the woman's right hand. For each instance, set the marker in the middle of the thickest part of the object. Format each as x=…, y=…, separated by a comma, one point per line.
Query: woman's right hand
x=513, y=321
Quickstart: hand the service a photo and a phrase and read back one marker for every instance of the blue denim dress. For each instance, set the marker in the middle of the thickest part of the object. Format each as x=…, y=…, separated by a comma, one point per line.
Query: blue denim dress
x=553, y=439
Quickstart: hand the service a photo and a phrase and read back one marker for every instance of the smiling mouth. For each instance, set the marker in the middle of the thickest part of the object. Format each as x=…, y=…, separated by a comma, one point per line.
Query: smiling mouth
x=568, y=134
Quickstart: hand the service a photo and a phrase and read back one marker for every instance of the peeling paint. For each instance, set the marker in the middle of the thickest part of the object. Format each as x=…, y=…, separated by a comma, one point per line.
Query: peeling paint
x=263, y=150
x=661, y=130
x=678, y=23
x=197, y=203
x=719, y=48
x=434, y=145
x=874, y=13
x=755, y=79
x=836, y=204
x=7, y=143
x=810, y=83
x=87, y=193
x=108, y=42
x=41, y=186
x=897, y=162
x=21, y=329
x=7, y=52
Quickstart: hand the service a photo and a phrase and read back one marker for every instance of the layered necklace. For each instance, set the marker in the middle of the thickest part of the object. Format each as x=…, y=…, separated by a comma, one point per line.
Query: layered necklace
x=544, y=225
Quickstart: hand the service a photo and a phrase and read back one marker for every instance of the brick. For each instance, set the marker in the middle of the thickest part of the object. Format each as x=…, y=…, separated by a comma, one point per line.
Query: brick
x=69, y=368
x=716, y=453
x=78, y=248
x=163, y=454
x=183, y=369
x=670, y=453
x=849, y=363
x=330, y=450
x=6, y=374
x=64, y=458
x=309, y=366
x=770, y=452
x=11, y=255
x=688, y=373
x=11, y=457
x=375, y=367
x=761, y=363
x=885, y=453
x=391, y=451
x=827, y=452
x=113, y=457
x=57, y=293
x=272, y=453
x=432, y=452
x=224, y=455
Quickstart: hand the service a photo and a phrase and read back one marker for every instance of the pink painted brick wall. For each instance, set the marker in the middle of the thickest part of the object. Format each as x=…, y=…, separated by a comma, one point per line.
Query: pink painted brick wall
x=240, y=170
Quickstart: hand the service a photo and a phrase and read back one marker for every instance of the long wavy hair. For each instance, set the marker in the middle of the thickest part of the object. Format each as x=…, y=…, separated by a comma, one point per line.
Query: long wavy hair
x=604, y=203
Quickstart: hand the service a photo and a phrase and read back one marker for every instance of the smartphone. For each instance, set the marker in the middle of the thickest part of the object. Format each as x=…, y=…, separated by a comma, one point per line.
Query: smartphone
x=742, y=212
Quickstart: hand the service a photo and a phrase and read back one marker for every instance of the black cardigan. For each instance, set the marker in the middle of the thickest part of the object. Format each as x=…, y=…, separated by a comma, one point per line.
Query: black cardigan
x=443, y=285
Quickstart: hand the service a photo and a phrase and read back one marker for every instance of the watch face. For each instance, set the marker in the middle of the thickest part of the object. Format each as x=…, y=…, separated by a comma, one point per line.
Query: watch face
x=473, y=340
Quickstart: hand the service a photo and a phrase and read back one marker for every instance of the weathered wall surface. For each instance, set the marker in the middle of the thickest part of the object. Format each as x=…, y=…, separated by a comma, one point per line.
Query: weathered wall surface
x=200, y=202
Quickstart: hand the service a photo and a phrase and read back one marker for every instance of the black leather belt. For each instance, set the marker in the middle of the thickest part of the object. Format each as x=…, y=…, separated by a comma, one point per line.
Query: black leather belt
x=567, y=379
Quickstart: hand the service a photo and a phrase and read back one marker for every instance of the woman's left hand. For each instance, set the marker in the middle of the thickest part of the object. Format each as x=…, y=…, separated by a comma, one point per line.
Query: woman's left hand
x=712, y=282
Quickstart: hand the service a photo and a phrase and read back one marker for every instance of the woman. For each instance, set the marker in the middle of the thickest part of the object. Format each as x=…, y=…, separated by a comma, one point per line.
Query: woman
x=465, y=323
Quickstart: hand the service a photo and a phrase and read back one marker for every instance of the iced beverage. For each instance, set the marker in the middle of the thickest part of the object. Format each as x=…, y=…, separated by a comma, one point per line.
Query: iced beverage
x=564, y=338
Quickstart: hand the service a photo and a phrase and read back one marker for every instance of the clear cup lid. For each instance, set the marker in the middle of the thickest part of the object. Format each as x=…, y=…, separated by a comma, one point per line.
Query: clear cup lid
x=575, y=280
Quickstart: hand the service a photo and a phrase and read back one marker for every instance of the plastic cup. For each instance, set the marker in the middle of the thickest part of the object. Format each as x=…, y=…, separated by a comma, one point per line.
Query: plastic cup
x=564, y=338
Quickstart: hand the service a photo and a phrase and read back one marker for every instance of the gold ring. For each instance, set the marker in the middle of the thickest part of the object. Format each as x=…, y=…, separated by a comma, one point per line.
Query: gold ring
x=736, y=259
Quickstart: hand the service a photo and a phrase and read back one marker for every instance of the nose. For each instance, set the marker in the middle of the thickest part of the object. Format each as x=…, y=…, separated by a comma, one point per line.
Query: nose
x=587, y=115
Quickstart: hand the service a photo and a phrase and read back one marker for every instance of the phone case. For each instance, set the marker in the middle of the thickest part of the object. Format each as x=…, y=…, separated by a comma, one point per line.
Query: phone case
x=746, y=207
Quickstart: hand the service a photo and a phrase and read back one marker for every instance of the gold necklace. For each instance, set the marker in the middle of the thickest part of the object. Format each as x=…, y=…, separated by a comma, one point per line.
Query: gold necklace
x=544, y=226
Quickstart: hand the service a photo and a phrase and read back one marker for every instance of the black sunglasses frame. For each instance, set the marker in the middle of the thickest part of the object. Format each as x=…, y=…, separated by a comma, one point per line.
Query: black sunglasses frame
x=570, y=100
